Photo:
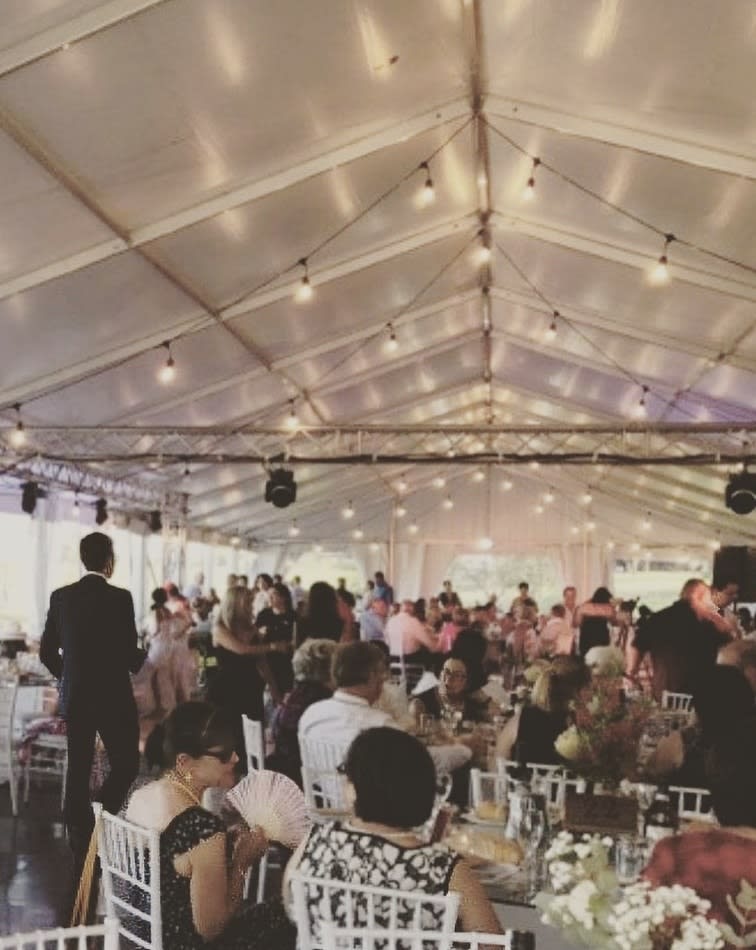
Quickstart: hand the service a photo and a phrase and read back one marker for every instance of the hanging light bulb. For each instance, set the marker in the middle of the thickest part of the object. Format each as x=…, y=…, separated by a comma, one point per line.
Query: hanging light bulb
x=586, y=498
x=167, y=372
x=402, y=486
x=18, y=436
x=534, y=465
x=292, y=420
x=646, y=523
x=447, y=503
x=304, y=291
x=358, y=534
x=413, y=528
x=392, y=344
x=528, y=192
x=293, y=530
x=539, y=509
x=505, y=485
x=548, y=497
x=439, y=482
x=635, y=546
x=640, y=411
x=318, y=548
x=235, y=540
x=551, y=333
x=610, y=545
x=374, y=546
x=478, y=475
x=348, y=511
x=428, y=193
x=660, y=272
x=715, y=544
x=484, y=251
x=574, y=529
x=485, y=544
x=400, y=511
x=590, y=526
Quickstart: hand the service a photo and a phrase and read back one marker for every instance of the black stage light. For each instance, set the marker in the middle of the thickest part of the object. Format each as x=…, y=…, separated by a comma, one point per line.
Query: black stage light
x=101, y=509
x=740, y=493
x=156, y=521
x=29, y=495
x=281, y=489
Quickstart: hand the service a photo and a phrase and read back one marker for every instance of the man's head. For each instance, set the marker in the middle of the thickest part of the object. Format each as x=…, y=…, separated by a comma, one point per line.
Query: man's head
x=523, y=588
x=447, y=586
x=725, y=593
x=297, y=580
x=96, y=552
x=742, y=654
x=231, y=580
x=341, y=584
x=242, y=580
x=569, y=596
x=408, y=607
x=360, y=668
x=379, y=607
x=696, y=592
x=379, y=578
x=559, y=610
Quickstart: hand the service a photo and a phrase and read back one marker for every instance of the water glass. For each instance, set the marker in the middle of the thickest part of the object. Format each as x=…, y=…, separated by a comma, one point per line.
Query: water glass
x=630, y=858
x=532, y=828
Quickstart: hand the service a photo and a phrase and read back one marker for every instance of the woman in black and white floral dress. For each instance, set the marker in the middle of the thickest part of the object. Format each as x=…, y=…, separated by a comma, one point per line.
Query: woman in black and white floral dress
x=394, y=783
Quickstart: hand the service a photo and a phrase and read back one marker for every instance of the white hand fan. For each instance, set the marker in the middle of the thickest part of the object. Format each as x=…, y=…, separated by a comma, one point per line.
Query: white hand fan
x=273, y=802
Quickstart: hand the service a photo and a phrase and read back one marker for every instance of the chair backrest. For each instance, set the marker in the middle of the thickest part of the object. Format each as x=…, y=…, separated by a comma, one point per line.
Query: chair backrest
x=676, y=702
x=254, y=743
x=693, y=804
x=130, y=860
x=353, y=938
x=319, y=901
x=324, y=787
x=7, y=714
x=102, y=936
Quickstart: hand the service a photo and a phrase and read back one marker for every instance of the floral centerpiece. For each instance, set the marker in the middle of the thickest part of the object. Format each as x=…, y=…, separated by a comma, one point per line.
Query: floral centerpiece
x=602, y=743
x=587, y=904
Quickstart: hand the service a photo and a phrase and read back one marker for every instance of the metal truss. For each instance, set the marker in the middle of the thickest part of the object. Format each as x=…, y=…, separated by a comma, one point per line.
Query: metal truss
x=627, y=444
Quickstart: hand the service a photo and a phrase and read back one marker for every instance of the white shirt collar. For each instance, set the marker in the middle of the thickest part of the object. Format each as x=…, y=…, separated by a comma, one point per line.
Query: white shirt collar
x=345, y=697
x=96, y=574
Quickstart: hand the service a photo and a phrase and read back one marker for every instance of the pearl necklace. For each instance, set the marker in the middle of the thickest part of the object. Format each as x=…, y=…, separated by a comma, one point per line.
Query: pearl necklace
x=181, y=783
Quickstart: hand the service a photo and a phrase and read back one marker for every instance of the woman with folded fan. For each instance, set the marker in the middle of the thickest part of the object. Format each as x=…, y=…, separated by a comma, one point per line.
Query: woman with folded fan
x=202, y=865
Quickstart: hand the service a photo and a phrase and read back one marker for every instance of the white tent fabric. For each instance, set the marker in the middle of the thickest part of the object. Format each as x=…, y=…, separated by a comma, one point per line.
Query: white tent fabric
x=165, y=165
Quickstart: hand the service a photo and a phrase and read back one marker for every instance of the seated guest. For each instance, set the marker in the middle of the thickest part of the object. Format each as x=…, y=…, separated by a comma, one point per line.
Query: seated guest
x=451, y=696
x=359, y=672
x=594, y=618
x=394, y=786
x=312, y=682
x=451, y=629
x=714, y=861
x=407, y=636
x=529, y=736
x=472, y=647
x=201, y=889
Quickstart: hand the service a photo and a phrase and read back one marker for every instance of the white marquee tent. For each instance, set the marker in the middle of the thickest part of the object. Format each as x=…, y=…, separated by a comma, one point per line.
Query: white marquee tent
x=171, y=170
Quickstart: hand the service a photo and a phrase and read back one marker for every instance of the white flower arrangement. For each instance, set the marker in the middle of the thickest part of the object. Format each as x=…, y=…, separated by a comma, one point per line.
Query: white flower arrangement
x=590, y=908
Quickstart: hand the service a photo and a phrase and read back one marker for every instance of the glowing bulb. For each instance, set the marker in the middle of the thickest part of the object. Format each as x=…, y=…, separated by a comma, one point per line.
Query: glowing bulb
x=548, y=497
x=358, y=534
x=447, y=503
x=574, y=529
x=235, y=540
x=484, y=254
x=640, y=410
x=318, y=548
x=660, y=273
x=167, y=372
x=586, y=498
x=392, y=344
x=413, y=528
x=534, y=465
x=646, y=523
x=304, y=291
x=374, y=546
x=539, y=509
x=478, y=475
x=715, y=545
x=293, y=530
x=400, y=511
x=18, y=436
x=292, y=420
x=505, y=485
x=551, y=333
x=401, y=486
x=348, y=511
x=635, y=546
x=486, y=544
x=439, y=482
x=610, y=545
x=590, y=526
x=528, y=192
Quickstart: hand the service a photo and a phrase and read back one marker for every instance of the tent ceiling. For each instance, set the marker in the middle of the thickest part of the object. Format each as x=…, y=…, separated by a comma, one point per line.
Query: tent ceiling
x=164, y=165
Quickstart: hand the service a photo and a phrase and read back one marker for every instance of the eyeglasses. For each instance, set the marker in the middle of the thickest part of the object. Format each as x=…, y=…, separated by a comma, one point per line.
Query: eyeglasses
x=223, y=755
x=453, y=675
x=341, y=768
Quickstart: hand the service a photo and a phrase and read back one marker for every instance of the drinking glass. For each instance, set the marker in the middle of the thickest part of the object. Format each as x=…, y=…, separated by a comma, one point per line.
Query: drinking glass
x=443, y=787
x=630, y=858
x=532, y=828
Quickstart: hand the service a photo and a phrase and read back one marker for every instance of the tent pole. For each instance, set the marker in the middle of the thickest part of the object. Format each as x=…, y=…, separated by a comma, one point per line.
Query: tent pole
x=391, y=548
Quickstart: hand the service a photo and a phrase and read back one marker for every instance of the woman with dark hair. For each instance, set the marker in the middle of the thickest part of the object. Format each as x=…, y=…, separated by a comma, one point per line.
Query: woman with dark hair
x=200, y=887
x=394, y=784
x=322, y=619
x=451, y=696
x=345, y=603
x=276, y=625
x=593, y=618
x=471, y=647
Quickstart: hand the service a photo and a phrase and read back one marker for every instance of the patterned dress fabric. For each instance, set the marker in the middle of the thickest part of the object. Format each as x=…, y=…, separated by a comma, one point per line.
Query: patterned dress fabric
x=258, y=927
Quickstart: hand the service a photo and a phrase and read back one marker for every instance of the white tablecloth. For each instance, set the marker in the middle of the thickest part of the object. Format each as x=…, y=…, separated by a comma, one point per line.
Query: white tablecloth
x=526, y=918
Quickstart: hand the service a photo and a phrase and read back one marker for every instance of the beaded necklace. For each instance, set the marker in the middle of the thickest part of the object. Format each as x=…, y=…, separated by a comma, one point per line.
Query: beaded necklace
x=181, y=783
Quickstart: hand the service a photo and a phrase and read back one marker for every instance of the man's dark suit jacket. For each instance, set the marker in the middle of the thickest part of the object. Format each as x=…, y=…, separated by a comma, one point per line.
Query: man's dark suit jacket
x=93, y=623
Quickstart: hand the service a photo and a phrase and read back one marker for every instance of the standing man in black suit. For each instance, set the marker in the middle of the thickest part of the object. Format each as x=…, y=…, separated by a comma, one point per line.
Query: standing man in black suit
x=90, y=645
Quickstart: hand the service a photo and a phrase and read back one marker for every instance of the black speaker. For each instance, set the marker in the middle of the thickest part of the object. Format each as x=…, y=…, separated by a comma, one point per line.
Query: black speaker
x=737, y=564
x=281, y=489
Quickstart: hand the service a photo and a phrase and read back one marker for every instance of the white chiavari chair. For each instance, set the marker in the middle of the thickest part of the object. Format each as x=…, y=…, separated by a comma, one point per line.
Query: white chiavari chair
x=102, y=936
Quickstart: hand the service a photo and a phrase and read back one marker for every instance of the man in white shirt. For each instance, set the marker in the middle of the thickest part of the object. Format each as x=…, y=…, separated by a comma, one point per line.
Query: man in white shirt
x=359, y=672
x=406, y=635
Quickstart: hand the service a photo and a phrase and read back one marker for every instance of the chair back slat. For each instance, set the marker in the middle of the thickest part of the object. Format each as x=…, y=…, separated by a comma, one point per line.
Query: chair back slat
x=693, y=804
x=319, y=901
x=102, y=936
x=130, y=859
x=676, y=702
x=324, y=787
x=361, y=938
x=254, y=744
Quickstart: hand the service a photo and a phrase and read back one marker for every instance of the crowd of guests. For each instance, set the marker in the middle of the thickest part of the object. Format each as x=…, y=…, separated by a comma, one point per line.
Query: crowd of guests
x=312, y=673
